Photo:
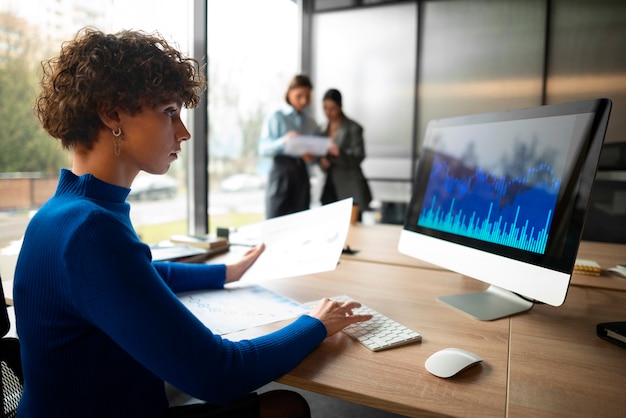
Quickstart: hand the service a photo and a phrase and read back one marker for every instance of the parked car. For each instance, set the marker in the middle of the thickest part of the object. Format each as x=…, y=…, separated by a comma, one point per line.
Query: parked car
x=153, y=187
x=241, y=182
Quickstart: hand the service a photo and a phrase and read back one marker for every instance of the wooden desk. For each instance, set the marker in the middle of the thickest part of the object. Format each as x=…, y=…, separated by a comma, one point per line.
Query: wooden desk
x=379, y=244
x=558, y=366
x=544, y=362
x=396, y=380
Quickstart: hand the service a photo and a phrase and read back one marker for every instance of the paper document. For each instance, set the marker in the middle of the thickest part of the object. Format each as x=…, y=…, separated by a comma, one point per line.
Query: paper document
x=302, y=243
x=307, y=144
x=229, y=310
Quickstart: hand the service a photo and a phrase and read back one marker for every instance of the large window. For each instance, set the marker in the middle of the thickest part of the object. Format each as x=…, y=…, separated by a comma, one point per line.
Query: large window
x=252, y=55
x=30, y=160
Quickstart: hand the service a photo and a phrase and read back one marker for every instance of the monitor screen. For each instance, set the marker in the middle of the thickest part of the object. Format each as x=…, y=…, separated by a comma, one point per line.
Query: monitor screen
x=501, y=197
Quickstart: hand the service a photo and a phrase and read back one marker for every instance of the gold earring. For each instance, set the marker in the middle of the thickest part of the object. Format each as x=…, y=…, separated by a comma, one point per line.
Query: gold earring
x=117, y=141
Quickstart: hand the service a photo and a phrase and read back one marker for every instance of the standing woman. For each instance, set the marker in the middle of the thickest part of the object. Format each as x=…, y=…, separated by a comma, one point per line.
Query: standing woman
x=288, y=187
x=101, y=328
x=342, y=165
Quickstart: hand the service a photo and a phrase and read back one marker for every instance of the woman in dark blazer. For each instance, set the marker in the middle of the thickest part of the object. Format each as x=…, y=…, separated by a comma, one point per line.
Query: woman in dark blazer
x=342, y=165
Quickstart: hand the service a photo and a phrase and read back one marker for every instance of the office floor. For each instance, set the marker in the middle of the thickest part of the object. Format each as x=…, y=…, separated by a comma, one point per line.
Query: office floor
x=324, y=406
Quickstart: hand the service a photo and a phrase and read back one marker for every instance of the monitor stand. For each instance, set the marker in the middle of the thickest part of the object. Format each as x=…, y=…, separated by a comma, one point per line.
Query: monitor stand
x=493, y=303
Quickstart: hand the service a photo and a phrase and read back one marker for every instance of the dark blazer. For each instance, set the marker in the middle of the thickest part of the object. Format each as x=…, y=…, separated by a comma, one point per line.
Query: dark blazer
x=345, y=172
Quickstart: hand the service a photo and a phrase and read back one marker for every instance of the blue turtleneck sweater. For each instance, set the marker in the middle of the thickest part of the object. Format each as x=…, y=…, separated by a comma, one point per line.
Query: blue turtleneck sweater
x=100, y=325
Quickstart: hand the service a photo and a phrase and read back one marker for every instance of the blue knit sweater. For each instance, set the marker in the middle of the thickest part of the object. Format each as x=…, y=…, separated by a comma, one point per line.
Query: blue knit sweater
x=100, y=325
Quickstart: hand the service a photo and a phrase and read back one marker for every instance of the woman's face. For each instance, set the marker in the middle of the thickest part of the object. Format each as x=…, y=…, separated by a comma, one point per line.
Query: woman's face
x=332, y=110
x=299, y=98
x=152, y=138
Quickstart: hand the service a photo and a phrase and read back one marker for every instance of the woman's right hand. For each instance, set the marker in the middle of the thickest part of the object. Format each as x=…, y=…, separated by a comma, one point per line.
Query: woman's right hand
x=289, y=135
x=337, y=315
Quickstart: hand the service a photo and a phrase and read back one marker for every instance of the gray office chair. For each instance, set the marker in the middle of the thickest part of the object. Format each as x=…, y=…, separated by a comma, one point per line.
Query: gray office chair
x=12, y=379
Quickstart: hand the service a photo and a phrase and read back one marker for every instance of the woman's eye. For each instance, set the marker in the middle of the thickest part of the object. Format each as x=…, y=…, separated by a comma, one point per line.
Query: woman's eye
x=170, y=112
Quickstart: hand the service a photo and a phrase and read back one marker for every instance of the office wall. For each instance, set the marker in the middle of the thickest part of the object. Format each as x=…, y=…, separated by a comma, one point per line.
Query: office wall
x=480, y=56
x=587, y=56
x=471, y=56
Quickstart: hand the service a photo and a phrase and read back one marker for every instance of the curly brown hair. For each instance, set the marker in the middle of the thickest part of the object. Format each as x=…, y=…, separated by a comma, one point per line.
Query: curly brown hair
x=97, y=72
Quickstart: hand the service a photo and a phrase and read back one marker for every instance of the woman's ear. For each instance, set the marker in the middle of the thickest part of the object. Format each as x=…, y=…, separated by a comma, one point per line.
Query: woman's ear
x=110, y=118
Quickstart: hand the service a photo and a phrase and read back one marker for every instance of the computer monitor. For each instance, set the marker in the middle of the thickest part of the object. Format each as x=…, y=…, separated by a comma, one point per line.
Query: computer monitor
x=502, y=197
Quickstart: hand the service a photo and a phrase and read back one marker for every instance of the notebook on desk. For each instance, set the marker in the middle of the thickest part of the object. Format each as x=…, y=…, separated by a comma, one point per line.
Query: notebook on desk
x=183, y=253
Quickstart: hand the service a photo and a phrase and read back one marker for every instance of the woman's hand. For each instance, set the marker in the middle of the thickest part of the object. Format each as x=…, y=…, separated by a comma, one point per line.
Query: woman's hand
x=337, y=315
x=308, y=157
x=333, y=149
x=289, y=135
x=234, y=271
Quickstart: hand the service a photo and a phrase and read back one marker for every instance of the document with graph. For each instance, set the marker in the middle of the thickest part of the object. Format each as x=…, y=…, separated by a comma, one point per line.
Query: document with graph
x=302, y=243
x=233, y=309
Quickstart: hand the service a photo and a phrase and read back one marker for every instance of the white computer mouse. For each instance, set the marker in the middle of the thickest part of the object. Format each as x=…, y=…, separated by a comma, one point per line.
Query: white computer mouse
x=450, y=361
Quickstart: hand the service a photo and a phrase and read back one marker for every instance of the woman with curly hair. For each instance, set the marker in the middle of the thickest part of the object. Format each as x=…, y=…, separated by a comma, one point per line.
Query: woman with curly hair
x=100, y=326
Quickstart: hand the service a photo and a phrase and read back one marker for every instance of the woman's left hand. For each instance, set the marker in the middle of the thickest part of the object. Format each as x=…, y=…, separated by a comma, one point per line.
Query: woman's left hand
x=234, y=271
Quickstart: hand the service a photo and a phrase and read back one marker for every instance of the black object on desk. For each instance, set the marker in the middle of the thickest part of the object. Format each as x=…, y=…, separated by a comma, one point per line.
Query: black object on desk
x=349, y=251
x=614, y=332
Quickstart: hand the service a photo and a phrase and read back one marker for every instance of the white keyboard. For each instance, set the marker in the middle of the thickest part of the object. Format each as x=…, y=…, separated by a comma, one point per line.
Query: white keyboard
x=380, y=332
